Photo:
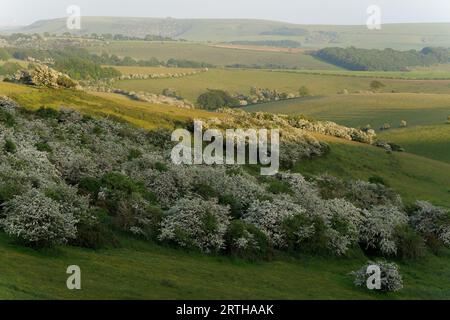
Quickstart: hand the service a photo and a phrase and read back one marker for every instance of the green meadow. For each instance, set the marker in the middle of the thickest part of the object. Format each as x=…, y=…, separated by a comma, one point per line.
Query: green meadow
x=201, y=52
x=357, y=110
x=432, y=141
x=140, y=270
x=241, y=80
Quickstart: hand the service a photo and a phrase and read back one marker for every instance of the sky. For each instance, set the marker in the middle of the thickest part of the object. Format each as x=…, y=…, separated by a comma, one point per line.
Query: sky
x=23, y=12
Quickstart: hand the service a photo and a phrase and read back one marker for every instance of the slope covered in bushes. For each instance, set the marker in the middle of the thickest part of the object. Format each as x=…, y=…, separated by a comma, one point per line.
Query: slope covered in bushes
x=80, y=180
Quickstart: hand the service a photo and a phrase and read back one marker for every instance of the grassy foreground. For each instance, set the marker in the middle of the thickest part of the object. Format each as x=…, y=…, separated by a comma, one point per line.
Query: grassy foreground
x=139, y=270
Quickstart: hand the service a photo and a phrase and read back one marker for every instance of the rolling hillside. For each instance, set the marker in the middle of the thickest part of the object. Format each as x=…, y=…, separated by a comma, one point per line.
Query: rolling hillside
x=432, y=141
x=398, y=36
x=213, y=55
x=358, y=110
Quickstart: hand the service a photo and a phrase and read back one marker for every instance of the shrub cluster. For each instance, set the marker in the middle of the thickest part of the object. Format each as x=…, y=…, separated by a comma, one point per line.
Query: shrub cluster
x=391, y=280
x=72, y=178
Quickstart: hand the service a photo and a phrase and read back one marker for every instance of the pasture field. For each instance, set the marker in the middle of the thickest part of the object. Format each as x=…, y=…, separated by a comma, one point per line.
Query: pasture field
x=431, y=141
x=356, y=110
x=151, y=70
x=139, y=270
x=241, y=80
x=440, y=72
x=204, y=53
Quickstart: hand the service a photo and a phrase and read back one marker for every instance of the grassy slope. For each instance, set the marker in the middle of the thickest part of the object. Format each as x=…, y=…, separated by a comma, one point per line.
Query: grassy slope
x=204, y=53
x=436, y=72
x=428, y=141
x=361, y=109
x=241, y=81
x=141, y=270
x=142, y=114
x=414, y=177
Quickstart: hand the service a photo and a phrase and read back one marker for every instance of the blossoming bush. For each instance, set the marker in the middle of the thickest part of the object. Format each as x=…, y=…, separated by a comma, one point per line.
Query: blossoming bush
x=37, y=220
x=431, y=221
x=366, y=195
x=246, y=241
x=196, y=223
x=139, y=217
x=270, y=216
x=378, y=228
x=391, y=280
x=343, y=221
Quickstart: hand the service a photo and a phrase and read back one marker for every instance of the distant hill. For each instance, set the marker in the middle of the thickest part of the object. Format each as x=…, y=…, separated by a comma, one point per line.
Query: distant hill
x=397, y=36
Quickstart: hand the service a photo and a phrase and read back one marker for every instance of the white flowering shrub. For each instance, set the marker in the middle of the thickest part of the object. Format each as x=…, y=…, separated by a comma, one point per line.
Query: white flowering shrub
x=305, y=192
x=38, y=220
x=196, y=223
x=139, y=217
x=246, y=241
x=343, y=221
x=270, y=216
x=378, y=228
x=234, y=186
x=170, y=186
x=391, y=280
x=366, y=195
x=430, y=220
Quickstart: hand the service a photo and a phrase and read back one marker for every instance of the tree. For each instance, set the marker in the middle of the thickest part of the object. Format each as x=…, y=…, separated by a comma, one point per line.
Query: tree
x=304, y=91
x=215, y=99
x=37, y=220
x=376, y=85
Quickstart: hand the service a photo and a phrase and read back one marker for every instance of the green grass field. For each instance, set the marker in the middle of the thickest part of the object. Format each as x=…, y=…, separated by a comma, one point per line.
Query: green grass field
x=242, y=80
x=428, y=141
x=204, y=53
x=439, y=72
x=139, y=270
x=152, y=70
x=357, y=110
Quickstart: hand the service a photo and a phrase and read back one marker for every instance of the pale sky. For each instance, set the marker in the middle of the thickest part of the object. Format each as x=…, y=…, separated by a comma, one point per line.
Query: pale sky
x=21, y=12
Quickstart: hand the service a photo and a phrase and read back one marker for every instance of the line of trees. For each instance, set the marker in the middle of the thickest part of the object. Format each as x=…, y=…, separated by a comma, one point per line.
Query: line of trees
x=382, y=60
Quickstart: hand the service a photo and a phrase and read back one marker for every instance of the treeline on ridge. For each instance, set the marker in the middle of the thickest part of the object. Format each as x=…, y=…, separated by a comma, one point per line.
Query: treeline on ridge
x=382, y=60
